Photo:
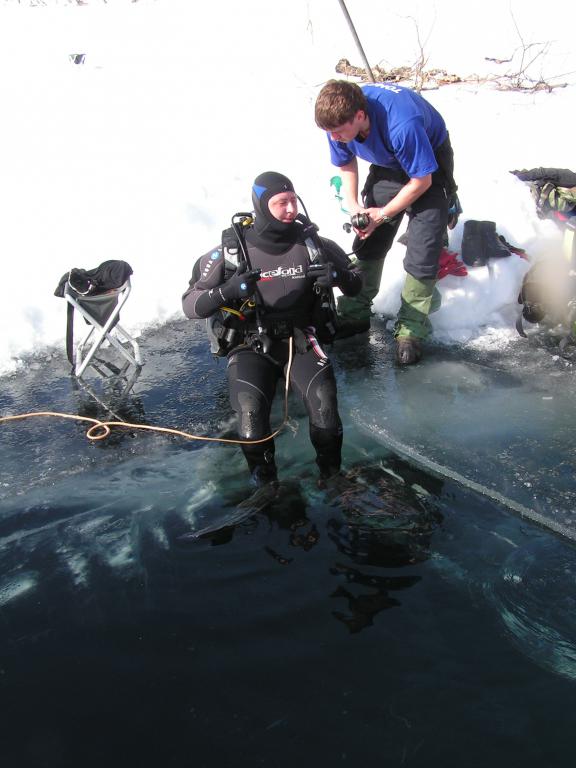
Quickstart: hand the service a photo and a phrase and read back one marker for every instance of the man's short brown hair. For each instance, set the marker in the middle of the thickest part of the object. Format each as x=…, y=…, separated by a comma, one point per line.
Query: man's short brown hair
x=337, y=103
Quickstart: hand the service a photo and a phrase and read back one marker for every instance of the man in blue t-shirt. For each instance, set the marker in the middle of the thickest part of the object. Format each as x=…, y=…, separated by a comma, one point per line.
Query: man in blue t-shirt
x=406, y=142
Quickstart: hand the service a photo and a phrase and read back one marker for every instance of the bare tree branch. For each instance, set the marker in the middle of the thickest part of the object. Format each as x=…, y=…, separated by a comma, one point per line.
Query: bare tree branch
x=519, y=77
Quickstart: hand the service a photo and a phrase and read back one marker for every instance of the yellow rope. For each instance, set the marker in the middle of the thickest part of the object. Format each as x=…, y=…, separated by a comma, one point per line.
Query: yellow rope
x=105, y=426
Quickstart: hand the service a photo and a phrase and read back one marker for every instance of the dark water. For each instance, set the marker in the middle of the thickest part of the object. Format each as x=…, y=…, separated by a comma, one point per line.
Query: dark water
x=409, y=621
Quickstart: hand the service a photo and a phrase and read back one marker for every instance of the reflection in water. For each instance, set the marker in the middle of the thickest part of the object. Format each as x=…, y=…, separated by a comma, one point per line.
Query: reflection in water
x=372, y=547
x=110, y=398
x=303, y=535
x=288, y=512
x=377, y=521
x=362, y=608
x=384, y=521
x=305, y=539
x=385, y=524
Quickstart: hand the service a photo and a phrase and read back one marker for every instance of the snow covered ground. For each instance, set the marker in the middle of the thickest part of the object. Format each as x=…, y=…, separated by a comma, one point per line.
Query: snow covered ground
x=144, y=152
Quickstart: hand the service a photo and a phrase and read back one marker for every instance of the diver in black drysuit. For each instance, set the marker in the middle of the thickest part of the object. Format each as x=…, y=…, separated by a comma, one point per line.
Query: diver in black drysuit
x=288, y=295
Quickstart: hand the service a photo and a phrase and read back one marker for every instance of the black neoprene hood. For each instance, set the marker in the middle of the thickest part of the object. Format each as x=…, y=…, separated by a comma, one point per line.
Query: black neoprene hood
x=271, y=232
x=265, y=186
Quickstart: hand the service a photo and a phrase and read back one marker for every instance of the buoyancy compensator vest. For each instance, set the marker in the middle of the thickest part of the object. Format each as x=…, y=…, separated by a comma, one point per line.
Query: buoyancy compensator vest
x=250, y=321
x=227, y=327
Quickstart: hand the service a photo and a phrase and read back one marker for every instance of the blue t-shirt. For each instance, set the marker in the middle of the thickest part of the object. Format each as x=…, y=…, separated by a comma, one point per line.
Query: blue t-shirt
x=404, y=132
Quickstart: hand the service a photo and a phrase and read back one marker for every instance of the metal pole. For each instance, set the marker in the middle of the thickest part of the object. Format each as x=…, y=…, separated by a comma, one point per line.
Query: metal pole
x=356, y=39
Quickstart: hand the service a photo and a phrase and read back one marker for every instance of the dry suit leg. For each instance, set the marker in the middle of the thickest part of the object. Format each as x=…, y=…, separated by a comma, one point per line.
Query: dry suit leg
x=312, y=376
x=252, y=381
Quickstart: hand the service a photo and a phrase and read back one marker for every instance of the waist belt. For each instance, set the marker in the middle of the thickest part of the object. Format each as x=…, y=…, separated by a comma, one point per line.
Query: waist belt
x=444, y=155
x=279, y=329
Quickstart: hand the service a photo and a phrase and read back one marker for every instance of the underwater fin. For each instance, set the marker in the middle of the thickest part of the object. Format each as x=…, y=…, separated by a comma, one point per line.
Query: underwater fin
x=256, y=502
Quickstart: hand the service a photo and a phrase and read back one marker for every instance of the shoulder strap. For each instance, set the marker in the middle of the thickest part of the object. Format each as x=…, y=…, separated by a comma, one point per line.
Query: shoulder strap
x=326, y=302
x=311, y=240
x=230, y=244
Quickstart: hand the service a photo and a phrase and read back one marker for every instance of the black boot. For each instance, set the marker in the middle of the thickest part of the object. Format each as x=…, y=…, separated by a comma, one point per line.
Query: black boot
x=494, y=245
x=265, y=481
x=261, y=464
x=480, y=243
x=327, y=442
x=328, y=446
x=346, y=329
x=408, y=351
x=263, y=474
x=474, y=251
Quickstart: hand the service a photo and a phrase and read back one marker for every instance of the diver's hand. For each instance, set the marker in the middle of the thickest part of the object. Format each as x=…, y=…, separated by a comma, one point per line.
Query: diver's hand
x=326, y=275
x=241, y=285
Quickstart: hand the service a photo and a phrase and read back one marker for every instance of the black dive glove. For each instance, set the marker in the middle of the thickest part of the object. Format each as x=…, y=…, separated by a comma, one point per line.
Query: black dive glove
x=329, y=275
x=326, y=275
x=454, y=210
x=241, y=285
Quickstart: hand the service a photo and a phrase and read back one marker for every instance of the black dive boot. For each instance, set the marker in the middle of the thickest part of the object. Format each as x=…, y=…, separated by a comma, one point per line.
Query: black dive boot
x=264, y=478
x=261, y=465
x=328, y=446
x=264, y=474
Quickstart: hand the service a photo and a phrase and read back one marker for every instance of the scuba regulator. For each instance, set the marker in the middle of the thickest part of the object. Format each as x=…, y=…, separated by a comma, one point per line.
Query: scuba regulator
x=357, y=221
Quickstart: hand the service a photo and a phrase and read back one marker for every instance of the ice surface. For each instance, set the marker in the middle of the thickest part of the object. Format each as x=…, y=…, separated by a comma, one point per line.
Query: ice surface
x=500, y=420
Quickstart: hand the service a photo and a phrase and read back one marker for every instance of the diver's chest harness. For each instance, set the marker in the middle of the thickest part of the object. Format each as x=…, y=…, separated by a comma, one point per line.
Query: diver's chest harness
x=262, y=318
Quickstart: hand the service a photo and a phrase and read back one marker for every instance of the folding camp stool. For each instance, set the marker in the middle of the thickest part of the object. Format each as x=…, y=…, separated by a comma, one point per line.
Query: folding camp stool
x=102, y=312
